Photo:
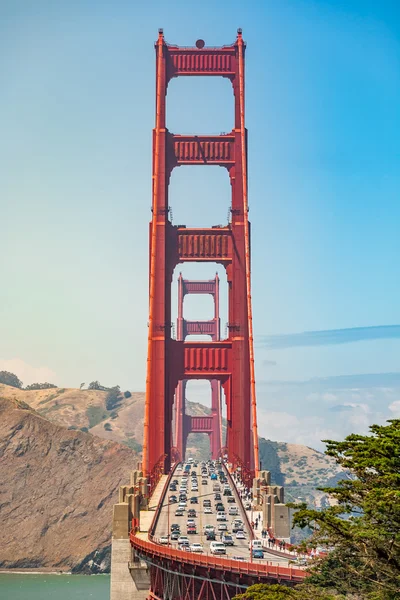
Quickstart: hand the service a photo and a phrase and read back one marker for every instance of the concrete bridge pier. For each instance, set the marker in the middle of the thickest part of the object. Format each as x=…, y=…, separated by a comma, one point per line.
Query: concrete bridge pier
x=130, y=579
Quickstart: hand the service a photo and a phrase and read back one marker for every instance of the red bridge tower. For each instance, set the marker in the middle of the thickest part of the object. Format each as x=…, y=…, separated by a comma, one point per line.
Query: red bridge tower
x=185, y=424
x=230, y=361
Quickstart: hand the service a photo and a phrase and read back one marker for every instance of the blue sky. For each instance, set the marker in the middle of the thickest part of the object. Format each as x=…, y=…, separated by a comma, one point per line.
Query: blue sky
x=77, y=109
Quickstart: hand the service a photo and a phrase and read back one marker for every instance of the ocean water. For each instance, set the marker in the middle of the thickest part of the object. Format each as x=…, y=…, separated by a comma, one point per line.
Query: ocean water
x=54, y=587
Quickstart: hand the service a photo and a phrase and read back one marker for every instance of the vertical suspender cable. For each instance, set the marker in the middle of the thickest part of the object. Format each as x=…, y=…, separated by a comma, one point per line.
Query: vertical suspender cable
x=153, y=259
x=247, y=256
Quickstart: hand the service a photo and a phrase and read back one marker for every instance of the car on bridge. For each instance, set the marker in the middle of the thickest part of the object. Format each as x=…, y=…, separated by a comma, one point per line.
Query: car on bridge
x=208, y=510
x=255, y=544
x=227, y=540
x=194, y=500
x=221, y=516
x=210, y=536
x=257, y=553
x=163, y=539
x=240, y=535
x=175, y=535
x=183, y=539
x=217, y=548
x=223, y=527
x=196, y=547
x=179, y=513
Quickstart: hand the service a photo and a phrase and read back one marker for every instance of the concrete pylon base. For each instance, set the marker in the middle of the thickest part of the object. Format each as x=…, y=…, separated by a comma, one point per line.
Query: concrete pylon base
x=127, y=583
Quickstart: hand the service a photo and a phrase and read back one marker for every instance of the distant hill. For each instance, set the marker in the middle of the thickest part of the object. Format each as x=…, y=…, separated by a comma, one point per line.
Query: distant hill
x=61, y=485
x=299, y=468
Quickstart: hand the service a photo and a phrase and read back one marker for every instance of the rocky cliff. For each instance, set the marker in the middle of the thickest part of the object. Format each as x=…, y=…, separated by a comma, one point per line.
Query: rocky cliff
x=56, y=508
x=57, y=491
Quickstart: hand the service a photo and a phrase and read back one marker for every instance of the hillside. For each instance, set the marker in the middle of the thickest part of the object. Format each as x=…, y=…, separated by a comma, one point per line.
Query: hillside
x=56, y=507
x=299, y=468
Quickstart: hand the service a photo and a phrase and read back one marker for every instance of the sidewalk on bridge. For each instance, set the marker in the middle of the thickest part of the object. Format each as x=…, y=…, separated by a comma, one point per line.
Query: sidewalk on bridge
x=147, y=516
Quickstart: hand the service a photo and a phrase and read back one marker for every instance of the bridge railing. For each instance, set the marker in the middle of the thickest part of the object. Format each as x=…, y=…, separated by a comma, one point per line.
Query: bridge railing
x=149, y=548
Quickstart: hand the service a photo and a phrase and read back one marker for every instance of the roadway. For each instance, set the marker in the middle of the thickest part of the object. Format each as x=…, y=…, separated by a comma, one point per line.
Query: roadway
x=167, y=517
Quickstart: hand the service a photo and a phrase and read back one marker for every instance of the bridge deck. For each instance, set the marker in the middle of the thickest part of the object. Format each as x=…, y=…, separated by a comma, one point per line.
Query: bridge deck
x=236, y=568
x=166, y=518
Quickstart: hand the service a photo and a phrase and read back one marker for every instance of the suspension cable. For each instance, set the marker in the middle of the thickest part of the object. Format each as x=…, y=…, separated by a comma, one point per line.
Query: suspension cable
x=152, y=285
x=247, y=256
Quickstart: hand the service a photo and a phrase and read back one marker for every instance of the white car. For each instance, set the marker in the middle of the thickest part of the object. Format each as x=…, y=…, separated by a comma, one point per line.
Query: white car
x=233, y=510
x=217, y=548
x=163, y=539
x=183, y=539
x=240, y=535
x=255, y=544
x=185, y=547
x=221, y=516
x=196, y=547
x=207, y=510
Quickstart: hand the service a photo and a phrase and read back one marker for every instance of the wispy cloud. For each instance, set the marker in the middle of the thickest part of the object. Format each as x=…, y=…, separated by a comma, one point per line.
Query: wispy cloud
x=329, y=337
x=356, y=381
x=269, y=363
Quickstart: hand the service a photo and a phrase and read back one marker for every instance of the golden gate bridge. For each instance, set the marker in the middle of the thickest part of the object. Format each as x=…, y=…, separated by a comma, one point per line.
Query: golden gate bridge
x=144, y=563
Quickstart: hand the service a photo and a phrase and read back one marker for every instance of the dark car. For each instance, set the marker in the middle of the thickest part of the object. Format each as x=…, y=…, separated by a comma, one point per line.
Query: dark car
x=175, y=526
x=173, y=499
x=227, y=540
x=217, y=497
x=231, y=499
x=192, y=513
x=206, y=502
x=193, y=500
x=219, y=507
x=175, y=535
x=257, y=553
x=210, y=536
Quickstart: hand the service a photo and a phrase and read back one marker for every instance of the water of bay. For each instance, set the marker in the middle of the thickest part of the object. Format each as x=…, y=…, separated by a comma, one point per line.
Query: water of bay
x=16, y=586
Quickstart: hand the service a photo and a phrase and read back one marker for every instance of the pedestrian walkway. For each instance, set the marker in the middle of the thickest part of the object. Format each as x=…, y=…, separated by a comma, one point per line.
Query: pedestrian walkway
x=146, y=516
